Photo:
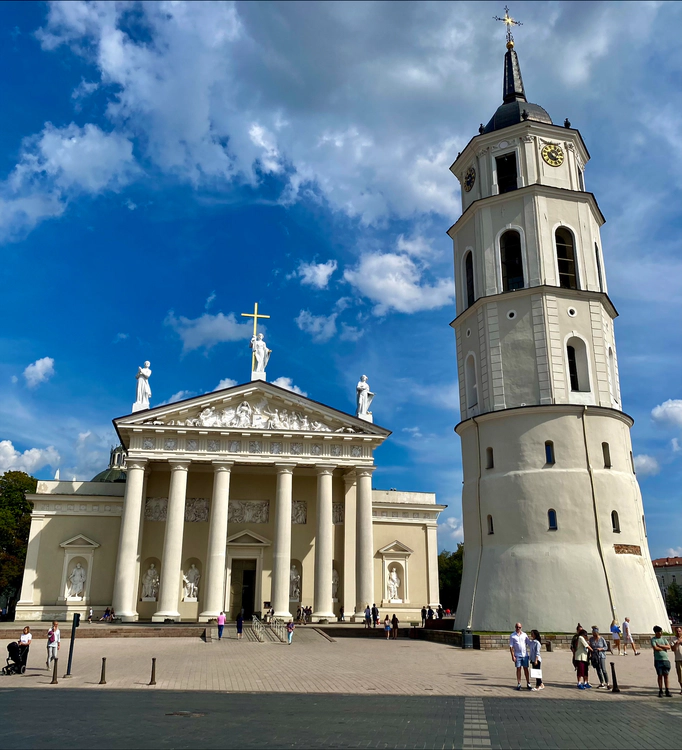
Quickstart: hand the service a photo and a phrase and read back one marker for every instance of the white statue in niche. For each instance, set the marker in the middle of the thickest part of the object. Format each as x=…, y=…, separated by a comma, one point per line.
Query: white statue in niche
x=294, y=584
x=144, y=392
x=261, y=352
x=364, y=399
x=150, y=584
x=335, y=583
x=393, y=585
x=191, y=579
x=77, y=582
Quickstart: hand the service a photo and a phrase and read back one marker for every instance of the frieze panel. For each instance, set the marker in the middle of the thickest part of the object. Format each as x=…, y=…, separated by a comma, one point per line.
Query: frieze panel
x=196, y=509
x=248, y=511
x=337, y=513
x=155, y=509
x=299, y=512
x=192, y=445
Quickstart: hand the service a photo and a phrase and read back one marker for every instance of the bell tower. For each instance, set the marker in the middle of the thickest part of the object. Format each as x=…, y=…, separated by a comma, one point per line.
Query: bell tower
x=554, y=528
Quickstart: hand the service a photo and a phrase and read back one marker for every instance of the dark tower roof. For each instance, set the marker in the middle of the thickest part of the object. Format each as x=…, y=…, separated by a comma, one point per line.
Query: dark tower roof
x=515, y=107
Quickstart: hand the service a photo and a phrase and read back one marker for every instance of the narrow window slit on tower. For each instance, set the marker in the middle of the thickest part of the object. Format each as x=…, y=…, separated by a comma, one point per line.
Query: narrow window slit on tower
x=491, y=530
x=632, y=463
x=549, y=452
x=615, y=522
x=607, y=455
x=565, y=255
x=489, y=460
x=599, y=275
x=551, y=520
x=506, y=172
x=469, y=271
x=572, y=368
x=511, y=261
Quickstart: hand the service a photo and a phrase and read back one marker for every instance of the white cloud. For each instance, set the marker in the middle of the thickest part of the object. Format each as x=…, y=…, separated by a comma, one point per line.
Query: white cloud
x=316, y=275
x=451, y=530
x=39, y=372
x=414, y=431
x=225, y=383
x=669, y=412
x=207, y=330
x=646, y=466
x=675, y=445
x=84, y=89
x=320, y=327
x=417, y=246
x=674, y=552
x=179, y=396
x=350, y=333
x=14, y=379
x=120, y=337
x=209, y=300
x=29, y=461
x=288, y=383
x=396, y=282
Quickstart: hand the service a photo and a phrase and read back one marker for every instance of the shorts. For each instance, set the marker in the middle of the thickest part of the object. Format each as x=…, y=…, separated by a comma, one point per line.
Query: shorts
x=521, y=661
x=662, y=668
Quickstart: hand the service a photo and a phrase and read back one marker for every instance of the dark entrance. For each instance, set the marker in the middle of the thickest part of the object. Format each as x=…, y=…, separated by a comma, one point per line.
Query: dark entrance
x=242, y=588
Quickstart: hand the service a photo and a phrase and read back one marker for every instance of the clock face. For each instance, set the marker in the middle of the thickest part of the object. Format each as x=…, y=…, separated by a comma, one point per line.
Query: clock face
x=553, y=154
x=469, y=179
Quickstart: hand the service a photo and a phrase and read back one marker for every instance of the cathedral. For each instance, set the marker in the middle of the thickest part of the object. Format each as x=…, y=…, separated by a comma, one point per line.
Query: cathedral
x=554, y=528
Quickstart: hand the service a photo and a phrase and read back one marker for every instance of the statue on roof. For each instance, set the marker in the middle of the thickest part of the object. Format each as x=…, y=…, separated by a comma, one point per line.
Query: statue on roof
x=364, y=400
x=144, y=392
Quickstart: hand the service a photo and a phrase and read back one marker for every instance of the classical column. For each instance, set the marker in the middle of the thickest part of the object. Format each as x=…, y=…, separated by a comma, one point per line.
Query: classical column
x=349, y=599
x=432, y=564
x=281, y=556
x=125, y=580
x=324, y=545
x=214, y=582
x=171, y=563
x=364, y=541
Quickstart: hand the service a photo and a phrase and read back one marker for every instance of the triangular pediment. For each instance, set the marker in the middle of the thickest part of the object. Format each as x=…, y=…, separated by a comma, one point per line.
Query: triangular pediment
x=248, y=539
x=79, y=541
x=396, y=548
x=252, y=406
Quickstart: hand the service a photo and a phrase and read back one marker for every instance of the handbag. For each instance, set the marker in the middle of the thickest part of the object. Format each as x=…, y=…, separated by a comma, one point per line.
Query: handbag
x=536, y=673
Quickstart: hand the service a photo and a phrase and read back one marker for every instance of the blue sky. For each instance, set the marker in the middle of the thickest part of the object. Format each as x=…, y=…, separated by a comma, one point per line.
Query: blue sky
x=164, y=166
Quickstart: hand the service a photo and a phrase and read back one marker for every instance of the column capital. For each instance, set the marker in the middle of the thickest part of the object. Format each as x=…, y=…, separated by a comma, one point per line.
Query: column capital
x=179, y=465
x=364, y=471
x=222, y=466
x=285, y=468
x=136, y=463
x=325, y=469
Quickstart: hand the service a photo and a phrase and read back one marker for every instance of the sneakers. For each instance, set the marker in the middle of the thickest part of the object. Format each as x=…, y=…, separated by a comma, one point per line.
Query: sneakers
x=542, y=687
x=637, y=653
x=588, y=686
x=529, y=687
x=534, y=690
x=518, y=687
x=581, y=686
x=668, y=694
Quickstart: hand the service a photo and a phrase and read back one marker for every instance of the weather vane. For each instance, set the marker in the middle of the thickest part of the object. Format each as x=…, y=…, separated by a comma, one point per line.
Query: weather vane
x=509, y=22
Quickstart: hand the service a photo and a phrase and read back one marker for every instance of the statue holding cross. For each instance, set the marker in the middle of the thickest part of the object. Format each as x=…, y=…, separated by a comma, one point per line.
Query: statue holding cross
x=260, y=352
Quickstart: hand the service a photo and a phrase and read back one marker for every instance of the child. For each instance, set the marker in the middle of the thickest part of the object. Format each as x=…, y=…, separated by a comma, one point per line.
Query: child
x=536, y=657
x=290, y=631
x=661, y=662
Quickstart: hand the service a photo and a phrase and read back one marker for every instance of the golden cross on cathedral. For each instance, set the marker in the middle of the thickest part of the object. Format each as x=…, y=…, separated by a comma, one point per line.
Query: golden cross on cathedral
x=508, y=22
x=255, y=317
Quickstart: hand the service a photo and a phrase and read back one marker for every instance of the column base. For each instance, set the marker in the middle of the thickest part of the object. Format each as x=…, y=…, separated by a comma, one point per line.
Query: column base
x=206, y=616
x=284, y=615
x=128, y=616
x=161, y=616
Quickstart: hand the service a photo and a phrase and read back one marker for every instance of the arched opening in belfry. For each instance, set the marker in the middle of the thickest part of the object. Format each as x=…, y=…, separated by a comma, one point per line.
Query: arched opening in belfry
x=470, y=382
x=469, y=274
x=511, y=261
x=578, y=370
x=565, y=258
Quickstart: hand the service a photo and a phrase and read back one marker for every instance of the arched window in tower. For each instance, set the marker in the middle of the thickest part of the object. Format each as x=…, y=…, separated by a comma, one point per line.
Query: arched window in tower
x=599, y=276
x=578, y=371
x=511, y=261
x=606, y=451
x=470, y=382
x=507, y=178
x=565, y=257
x=469, y=275
x=549, y=453
x=612, y=375
x=615, y=522
x=551, y=520
x=491, y=529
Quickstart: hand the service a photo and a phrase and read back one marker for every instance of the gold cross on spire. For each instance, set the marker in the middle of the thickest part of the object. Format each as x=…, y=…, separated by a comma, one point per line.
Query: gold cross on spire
x=508, y=22
x=255, y=317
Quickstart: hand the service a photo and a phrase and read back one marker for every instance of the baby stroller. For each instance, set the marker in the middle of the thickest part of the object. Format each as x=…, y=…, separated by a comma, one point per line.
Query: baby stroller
x=17, y=656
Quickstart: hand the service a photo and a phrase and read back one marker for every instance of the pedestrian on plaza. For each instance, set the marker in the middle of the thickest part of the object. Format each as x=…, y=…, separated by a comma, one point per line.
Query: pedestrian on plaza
x=375, y=615
x=290, y=631
x=342, y=617
x=90, y=615
x=106, y=616
x=518, y=647
x=615, y=633
x=395, y=622
x=627, y=636
x=661, y=662
x=221, y=624
x=582, y=652
x=430, y=614
x=54, y=642
x=535, y=657
x=240, y=626
x=387, y=627
x=441, y=612
x=676, y=646
x=574, y=646
x=598, y=656
x=424, y=616
x=368, y=617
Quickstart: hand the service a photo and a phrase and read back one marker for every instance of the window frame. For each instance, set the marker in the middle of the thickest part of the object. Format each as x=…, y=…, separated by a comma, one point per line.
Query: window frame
x=552, y=526
x=524, y=263
x=550, y=453
x=615, y=522
x=491, y=525
x=574, y=250
x=466, y=297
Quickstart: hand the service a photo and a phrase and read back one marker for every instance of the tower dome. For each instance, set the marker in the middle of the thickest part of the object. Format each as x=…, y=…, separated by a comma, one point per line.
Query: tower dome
x=116, y=471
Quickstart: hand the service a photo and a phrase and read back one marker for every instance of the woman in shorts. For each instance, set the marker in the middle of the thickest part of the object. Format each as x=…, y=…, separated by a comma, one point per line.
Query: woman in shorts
x=615, y=632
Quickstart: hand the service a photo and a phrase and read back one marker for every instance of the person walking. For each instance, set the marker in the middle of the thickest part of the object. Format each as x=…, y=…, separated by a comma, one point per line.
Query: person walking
x=387, y=627
x=598, y=656
x=582, y=651
x=221, y=625
x=423, y=616
x=240, y=626
x=661, y=662
x=368, y=617
x=627, y=637
x=90, y=616
x=375, y=615
x=290, y=631
x=574, y=646
x=342, y=617
x=535, y=657
x=54, y=642
x=395, y=622
x=676, y=646
x=430, y=613
x=518, y=648
x=615, y=634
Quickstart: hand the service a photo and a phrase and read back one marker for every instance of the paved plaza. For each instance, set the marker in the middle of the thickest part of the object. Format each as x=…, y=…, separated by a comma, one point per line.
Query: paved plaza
x=353, y=692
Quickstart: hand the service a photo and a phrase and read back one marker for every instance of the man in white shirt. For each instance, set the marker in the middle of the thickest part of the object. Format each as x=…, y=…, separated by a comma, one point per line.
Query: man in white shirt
x=627, y=637
x=519, y=644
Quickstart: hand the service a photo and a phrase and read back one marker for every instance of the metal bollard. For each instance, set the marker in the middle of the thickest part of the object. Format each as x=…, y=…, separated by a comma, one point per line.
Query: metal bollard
x=54, y=673
x=103, y=678
x=614, y=680
x=153, y=678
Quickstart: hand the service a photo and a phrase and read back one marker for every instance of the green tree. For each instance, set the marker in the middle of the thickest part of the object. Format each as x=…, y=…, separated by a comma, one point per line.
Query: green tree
x=15, y=523
x=673, y=601
x=450, y=566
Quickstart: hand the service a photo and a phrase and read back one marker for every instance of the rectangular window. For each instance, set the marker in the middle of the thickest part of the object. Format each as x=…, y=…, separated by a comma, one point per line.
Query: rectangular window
x=506, y=172
x=581, y=179
x=607, y=455
x=489, y=460
x=549, y=452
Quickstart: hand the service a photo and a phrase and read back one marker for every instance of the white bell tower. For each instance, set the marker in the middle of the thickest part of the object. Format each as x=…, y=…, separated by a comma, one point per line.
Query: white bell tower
x=554, y=529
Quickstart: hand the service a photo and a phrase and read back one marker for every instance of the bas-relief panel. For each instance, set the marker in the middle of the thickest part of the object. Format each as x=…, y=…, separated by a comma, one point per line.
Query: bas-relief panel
x=337, y=513
x=299, y=512
x=196, y=509
x=248, y=511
